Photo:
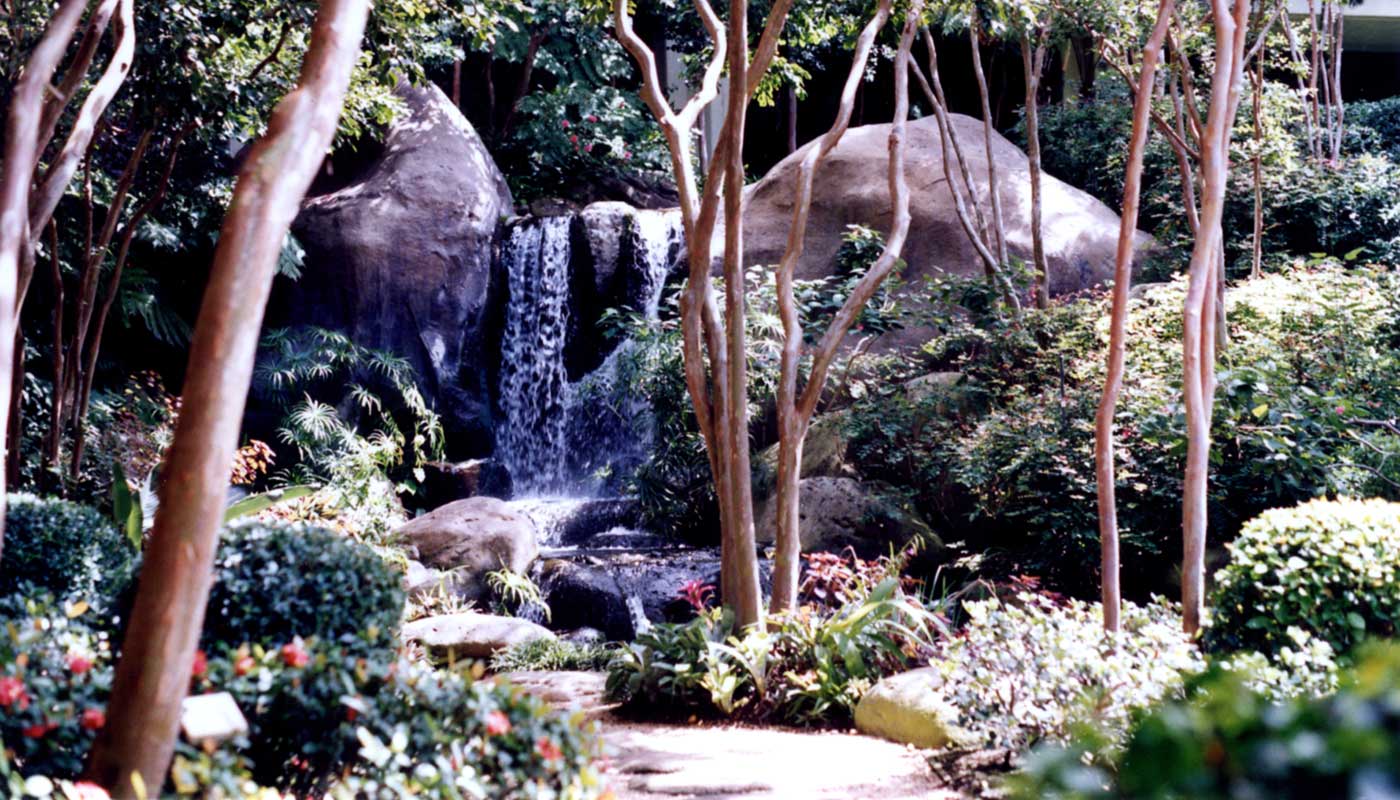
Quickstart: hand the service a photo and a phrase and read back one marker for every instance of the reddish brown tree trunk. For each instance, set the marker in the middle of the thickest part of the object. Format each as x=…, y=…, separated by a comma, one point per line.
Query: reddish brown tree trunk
x=154, y=672
x=1117, y=337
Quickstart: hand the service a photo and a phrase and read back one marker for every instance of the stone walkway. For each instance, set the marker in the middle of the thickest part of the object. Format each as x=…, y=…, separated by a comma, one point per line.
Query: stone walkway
x=651, y=761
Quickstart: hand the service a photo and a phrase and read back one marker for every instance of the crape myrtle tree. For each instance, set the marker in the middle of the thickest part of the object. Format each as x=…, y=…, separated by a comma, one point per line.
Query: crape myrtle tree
x=714, y=343
x=133, y=752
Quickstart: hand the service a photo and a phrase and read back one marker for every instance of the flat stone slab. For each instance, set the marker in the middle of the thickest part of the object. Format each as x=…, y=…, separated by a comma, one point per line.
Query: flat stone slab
x=583, y=691
x=471, y=635
x=725, y=761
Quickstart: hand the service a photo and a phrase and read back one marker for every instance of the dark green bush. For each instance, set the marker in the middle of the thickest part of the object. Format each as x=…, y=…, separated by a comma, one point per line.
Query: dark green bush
x=1374, y=127
x=274, y=582
x=1229, y=742
x=68, y=549
x=1004, y=455
x=1330, y=567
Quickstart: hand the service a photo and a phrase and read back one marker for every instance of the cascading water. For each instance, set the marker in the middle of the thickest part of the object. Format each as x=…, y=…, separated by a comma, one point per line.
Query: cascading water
x=533, y=379
x=562, y=439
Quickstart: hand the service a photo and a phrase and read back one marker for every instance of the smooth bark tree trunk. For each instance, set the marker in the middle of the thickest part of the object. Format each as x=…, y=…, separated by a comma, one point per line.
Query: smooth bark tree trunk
x=1033, y=64
x=993, y=186
x=721, y=416
x=792, y=423
x=1110, y=562
x=21, y=157
x=1199, y=314
x=1256, y=267
x=158, y=652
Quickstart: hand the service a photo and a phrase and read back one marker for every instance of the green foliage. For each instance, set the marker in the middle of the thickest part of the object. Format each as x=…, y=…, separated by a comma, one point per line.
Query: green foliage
x=1328, y=567
x=313, y=710
x=276, y=581
x=809, y=668
x=1004, y=452
x=355, y=419
x=1228, y=741
x=554, y=655
x=1028, y=667
x=1374, y=127
x=61, y=547
x=515, y=594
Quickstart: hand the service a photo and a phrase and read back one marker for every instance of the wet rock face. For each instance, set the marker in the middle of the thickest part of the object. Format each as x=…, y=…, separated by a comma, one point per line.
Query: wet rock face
x=836, y=513
x=401, y=260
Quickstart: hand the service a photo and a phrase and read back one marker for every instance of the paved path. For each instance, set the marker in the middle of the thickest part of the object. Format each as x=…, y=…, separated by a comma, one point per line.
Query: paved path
x=652, y=761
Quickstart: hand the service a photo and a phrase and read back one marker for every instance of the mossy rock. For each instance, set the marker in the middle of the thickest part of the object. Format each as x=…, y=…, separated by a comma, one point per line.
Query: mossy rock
x=909, y=708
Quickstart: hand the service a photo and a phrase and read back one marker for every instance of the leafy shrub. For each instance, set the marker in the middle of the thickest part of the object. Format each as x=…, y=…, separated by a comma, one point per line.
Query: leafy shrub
x=1329, y=567
x=554, y=655
x=1229, y=742
x=64, y=548
x=1029, y=668
x=316, y=711
x=1004, y=454
x=1374, y=127
x=810, y=667
x=277, y=581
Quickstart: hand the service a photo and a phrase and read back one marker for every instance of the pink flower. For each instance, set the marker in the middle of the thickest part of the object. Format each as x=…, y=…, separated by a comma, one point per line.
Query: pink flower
x=497, y=723
x=12, y=692
x=547, y=749
x=592, y=118
x=626, y=154
x=588, y=148
x=78, y=664
x=294, y=654
x=1341, y=409
x=563, y=123
x=92, y=719
x=697, y=593
x=83, y=790
x=201, y=664
x=574, y=139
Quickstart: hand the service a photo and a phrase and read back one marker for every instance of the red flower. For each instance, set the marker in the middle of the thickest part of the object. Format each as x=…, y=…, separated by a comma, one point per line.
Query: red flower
x=39, y=729
x=294, y=654
x=592, y=118
x=78, y=664
x=351, y=714
x=497, y=724
x=201, y=664
x=547, y=749
x=563, y=123
x=697, y=593
x=92, y=719
x=12, y=692
x=244, y=665
x=573, y=139
x=88, y=791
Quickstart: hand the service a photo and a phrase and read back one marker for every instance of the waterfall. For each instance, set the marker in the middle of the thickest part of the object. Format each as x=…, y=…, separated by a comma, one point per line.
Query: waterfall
x=578, y=439
x=533, y=379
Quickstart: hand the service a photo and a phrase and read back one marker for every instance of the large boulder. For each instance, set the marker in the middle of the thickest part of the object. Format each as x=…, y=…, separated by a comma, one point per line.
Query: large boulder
x=1080, y=233
x=471, y=635
x=400, y=259
x=909, y=708
x=471, y=538
x=836, y=513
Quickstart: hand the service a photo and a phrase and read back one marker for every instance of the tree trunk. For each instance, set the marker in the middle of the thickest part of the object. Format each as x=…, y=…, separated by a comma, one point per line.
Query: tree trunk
x=993, y=187
x=792, y=423
x=16, y=175
x=1117, y=337
x=1199, y=318
x=1256, y=267
x=1033, y=63
x=790, y=116
x=152, y=676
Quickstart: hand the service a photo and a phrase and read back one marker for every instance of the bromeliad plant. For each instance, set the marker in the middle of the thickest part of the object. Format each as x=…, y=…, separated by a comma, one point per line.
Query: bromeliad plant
x=810, y=667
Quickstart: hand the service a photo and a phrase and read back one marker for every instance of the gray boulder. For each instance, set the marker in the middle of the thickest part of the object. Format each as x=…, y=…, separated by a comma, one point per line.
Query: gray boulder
x=401, y=260
x=471, y=538
x=471, y=635
x=1080, y=233
x=835, y=513
x=909, y=708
